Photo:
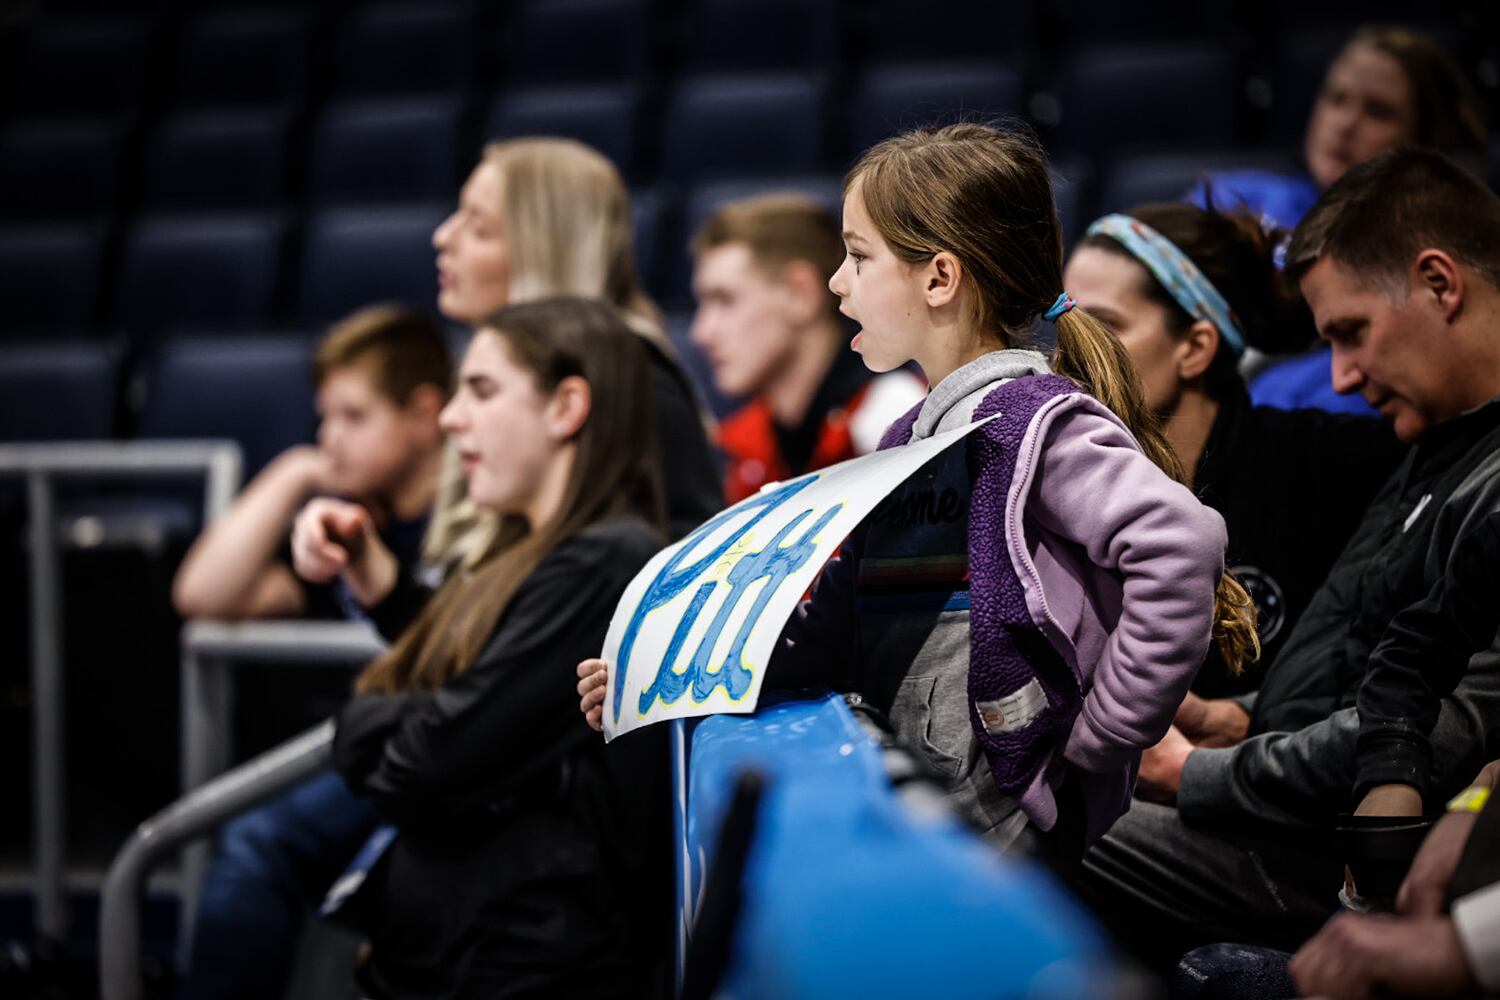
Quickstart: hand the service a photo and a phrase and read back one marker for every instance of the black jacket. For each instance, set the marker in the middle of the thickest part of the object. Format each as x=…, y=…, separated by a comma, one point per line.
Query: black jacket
x=1298, y=767
x=1292, y=486
x=690, y=470
x=529, y=858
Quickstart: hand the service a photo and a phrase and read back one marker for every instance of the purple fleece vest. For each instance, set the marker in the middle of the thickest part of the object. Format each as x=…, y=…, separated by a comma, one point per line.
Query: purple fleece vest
x=1006, y=648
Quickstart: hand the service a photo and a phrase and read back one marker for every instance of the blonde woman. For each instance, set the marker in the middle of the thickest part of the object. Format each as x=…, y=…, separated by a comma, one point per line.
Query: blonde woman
x=536, y=218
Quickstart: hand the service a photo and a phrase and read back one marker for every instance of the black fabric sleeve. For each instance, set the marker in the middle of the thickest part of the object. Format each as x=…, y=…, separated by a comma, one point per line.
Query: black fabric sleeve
x=429, y=758
x=690, y=473
x=817, y=645
x=401, y=606
x=1421, y=659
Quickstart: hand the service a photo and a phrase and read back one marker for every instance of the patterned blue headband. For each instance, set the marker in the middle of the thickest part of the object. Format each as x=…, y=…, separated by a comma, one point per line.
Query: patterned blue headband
x=1176, y=272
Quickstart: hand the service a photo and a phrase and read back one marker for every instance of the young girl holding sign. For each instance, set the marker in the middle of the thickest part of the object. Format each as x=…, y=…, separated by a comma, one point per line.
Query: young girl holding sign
x=1030, y=608
x=524, y=858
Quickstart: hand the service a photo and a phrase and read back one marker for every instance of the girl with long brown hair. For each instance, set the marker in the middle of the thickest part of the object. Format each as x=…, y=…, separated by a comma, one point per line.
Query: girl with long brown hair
x=523, y=857
x=1030, y=607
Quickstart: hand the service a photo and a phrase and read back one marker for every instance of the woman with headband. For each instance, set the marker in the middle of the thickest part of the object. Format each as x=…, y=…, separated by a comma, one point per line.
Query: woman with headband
x=1187, y=291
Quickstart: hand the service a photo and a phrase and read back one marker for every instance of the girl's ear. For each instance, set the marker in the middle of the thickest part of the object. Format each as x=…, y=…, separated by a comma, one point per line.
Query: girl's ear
x=1196, y=351
x=942, y=276
x=568, y=409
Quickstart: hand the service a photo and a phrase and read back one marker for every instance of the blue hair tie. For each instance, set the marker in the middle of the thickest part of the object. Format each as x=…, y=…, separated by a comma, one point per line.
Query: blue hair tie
x=1063, y=304
x=1176, y=272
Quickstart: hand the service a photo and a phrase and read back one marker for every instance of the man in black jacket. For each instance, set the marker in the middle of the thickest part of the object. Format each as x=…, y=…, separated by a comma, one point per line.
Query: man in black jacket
x=1400, y=262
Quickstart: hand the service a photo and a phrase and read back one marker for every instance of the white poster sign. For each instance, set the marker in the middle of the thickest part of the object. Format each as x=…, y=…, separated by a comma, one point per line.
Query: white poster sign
x=695, y=629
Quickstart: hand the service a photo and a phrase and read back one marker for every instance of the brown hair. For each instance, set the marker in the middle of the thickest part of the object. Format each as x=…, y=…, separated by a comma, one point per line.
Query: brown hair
x=1237, y=256
x=1447, y=112
x=1377, y=217
x=984, y=195
x=778, y=229
x=615, y=473
x=401, y=348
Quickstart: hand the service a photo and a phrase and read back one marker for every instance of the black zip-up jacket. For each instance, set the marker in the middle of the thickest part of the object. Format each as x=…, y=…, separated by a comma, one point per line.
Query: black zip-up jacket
x=1297, y=768
x=529, y=857
x=1292, y=485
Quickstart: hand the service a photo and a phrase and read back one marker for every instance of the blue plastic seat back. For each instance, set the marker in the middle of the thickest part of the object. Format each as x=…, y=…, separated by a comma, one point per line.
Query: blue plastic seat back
x=557, y=41
x=215, y=272
x=57, y=391
x=254, y=389
x=604, y=116
x=892, y=99
x=82, y=66
x=254, y=56
x=765, y=123
x=406, y=48
x=757, y=35
x=354, y=256
x=386, y=150
x=49, y=278
x=218, y=160
x=967, y=29
x=59, y=170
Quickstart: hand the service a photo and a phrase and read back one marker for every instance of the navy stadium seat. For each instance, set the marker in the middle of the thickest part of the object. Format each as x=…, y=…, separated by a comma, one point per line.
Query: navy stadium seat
x=386, y=149
x=197, y=272
x=891, y=99
x=49, y=278
x=704, y=199
x=1137, y=180
x=1139, y=95
x=218, y=159
x=961, y=29
x=647, y=211
x=553, y=41
x=602, y=116
x=235, y=57
x=57, y=391
x=352, y=257
x=750, y=35
x=767, y=123
x=255, y=389
x=58, y=170
x=1110, y=20
x=406, y=48
x=1072, y=183
x=82, y=66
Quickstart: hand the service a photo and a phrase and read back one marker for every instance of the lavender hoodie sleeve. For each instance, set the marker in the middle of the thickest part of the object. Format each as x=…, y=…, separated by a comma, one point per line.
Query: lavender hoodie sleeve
x=1094, y=487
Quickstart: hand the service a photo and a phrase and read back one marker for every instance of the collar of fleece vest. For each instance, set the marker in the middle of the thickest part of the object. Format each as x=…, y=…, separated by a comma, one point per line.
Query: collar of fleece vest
x=952, y=401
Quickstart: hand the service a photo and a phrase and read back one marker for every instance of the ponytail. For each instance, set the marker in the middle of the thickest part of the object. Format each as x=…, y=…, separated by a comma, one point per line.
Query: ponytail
x=1091, y=356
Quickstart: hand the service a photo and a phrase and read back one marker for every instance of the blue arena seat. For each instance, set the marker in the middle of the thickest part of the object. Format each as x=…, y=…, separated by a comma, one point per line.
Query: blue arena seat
x=553, y=41
x=1137, y=95
x=767, y=123
x=82, y=66
x=604, y=116
x=1072, y=188
x=255, y=389
x=200, y=272
x=966, y=29
x=406, y=48
x=218, y=159
x=1136, y=180
x=352, y=257
x=49, y=278
x=386, y=150
x=235, y=57
x=755, y=35
x=892, y=98
x=58, y=170
x=57, y=391
x=1092, y=21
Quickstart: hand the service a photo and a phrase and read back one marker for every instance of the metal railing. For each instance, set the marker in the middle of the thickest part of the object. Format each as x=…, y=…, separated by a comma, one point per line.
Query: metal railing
x=219, y=462
x=191, y=816
x=211, y=652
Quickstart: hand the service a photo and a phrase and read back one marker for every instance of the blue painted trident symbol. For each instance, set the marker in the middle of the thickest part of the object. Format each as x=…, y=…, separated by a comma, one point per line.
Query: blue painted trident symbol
x=773, y=563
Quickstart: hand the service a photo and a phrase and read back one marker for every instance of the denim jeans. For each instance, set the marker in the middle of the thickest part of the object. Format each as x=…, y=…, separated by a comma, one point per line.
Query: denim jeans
x=272, y=865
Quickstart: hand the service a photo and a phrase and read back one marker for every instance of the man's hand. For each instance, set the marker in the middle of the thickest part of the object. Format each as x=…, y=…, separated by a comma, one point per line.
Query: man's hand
x=592, y=677
x=1355, y=957
x=336, y=538
x=1390, y=800
x=1161, y=768
x=1216, y=722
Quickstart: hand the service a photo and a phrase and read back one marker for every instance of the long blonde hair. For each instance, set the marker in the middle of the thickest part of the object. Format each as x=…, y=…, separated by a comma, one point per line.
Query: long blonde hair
x=615, y=473
x=984, y=195
x=567, y=232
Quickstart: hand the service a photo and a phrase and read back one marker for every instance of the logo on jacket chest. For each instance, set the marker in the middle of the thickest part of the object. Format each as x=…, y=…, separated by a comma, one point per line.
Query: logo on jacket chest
x=915, y=508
